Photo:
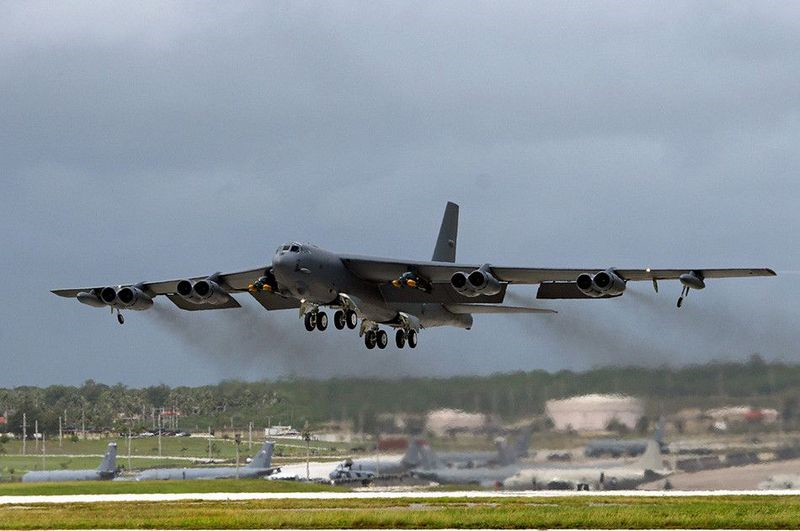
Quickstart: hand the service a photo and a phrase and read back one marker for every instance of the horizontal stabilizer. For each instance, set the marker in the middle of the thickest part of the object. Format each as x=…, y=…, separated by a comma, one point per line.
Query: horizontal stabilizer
x=564, y=290
x=183, y=304
x=487, y=308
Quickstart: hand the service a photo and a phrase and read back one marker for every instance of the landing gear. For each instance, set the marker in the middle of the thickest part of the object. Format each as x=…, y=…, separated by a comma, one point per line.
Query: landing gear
x=351, y=319
x=400, y=338
x=370, y=339
x=339, y=320
x=412, y=338
x=322, y=321
x=120, y=318
x=684, y=294
x=310, y=321
x=382, y=339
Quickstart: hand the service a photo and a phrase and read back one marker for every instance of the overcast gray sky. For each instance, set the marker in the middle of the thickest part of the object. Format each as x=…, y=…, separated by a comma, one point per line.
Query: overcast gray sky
x=150, y=140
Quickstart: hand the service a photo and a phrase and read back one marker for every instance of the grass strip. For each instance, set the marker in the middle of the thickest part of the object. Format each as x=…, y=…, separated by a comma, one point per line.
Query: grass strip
x=745, y=512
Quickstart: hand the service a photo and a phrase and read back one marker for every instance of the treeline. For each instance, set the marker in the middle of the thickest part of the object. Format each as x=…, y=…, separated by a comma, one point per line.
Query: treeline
x=311, y=403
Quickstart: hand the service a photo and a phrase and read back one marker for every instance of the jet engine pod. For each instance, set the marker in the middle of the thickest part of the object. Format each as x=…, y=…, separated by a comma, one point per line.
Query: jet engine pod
x=108, y=295
x=604, y=283
x=483, y=282
x=90, y=298
x=692, y=279
x=203, y=291
x=461, y=284
x=608, y=282
x=133, y=298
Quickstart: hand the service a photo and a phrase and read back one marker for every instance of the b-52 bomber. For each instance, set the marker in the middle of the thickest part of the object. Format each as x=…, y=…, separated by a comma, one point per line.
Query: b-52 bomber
x=404, y=295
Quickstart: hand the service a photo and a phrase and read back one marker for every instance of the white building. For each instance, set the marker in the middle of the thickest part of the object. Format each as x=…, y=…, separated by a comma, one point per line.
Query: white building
x=594, y=412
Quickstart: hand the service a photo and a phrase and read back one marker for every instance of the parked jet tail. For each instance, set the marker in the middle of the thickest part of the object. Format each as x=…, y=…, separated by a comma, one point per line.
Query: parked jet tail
x=445, y=250
x=263, y=459
x=508, y=455
x=109, y=463
x=651, y=458
x=659, y=434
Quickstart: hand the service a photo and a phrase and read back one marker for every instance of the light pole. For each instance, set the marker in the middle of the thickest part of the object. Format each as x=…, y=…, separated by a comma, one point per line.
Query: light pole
x=307, y=437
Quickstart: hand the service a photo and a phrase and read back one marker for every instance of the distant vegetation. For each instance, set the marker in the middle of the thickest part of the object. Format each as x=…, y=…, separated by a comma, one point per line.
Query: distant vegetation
x=360, y=401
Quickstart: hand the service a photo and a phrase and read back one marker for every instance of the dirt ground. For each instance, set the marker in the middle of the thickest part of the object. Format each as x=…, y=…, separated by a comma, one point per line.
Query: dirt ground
x=743, y=477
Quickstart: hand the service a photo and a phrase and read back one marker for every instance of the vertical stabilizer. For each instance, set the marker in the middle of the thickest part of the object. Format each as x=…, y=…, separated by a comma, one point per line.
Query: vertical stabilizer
x=659, y=434
x=109, y=463
x=263, y=459
x=445, y=250
x=651, y=458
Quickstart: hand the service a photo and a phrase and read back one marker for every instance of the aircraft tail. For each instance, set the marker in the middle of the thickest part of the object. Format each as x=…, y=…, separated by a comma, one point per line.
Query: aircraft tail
x=659, y=434
x=508, y=455
x=263, y=459
x=651, y=458
x=109, y=462
x=445, y=250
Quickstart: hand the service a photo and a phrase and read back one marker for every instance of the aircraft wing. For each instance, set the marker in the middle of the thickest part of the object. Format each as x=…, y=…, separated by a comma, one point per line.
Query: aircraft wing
x=555, y=283
x=235, y=282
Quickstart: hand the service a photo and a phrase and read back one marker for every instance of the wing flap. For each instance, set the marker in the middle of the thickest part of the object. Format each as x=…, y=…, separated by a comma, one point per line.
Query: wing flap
x=440, y=293
x=270, y=301
x=564, y=290
x=183, y=304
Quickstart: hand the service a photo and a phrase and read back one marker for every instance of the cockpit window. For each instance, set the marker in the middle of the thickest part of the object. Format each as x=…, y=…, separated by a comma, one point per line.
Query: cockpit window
x=295, y=249
x=285, y=248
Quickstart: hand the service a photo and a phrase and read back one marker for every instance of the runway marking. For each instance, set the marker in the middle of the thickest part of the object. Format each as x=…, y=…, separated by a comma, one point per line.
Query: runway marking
x=251, y=496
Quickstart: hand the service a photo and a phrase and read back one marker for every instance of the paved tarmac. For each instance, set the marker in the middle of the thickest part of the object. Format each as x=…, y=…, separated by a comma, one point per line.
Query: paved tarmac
x=376, y=494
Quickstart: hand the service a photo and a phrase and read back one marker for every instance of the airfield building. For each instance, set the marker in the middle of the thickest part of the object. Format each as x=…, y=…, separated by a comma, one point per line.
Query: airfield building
x=594, y=412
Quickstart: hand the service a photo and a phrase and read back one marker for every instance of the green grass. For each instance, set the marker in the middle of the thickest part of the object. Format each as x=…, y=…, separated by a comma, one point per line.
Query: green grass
x=158, y=487
x=633, y=513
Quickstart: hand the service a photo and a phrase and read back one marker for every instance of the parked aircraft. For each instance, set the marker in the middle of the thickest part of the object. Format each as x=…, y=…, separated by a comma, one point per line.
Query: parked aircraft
x=505, y=454
x=258, y=467
x=616, y=475
x=361, y=469
x=624, y=447
x=106, y=470
x=781, y=482
x=405, y=295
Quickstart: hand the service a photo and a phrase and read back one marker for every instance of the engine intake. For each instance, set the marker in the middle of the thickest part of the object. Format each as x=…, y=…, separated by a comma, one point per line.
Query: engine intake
x=205, y=291
x=133, y=298
x=479, y=282
x=604, y=283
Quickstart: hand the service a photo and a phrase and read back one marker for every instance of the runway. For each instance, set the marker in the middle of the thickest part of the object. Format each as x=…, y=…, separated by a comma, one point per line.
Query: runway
x=378, y=494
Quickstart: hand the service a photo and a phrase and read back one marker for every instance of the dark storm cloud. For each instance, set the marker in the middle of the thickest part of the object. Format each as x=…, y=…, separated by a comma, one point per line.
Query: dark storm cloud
x=148, y=140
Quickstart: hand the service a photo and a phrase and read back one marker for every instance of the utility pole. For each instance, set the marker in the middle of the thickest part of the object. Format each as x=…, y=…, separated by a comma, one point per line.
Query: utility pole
x=60, y=434
x=36, y=435
x=24, y=433
x=129, y=446
x=209, y=443
x=159, y=434
x=238, y=439
x=83, y=423
x=307, y=437
x=44, y=454
x=250, y=436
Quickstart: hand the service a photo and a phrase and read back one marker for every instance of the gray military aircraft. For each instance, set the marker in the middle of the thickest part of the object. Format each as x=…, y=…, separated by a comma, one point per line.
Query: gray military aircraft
x=106, y=470
x=258, y=467
x=405, y=295
x=591, y=476
x=624, y=447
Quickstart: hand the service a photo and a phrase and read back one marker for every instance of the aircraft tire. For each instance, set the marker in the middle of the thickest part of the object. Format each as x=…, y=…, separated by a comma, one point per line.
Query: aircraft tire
x=400, y=338
x=382, y=339
x=351, y=319
x=322, y=321
x=412, y=339
x=370, y=339
x=310, y=321
x=339, y=320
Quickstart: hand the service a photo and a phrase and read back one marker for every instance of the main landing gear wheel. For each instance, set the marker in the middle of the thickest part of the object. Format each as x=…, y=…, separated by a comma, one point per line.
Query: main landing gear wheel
x=339, y=320
x=310, y=321
x=400, y=338
x=322, y=321
x=351, y=319
x=370, y=339
x=412, y=338
x=382, y=339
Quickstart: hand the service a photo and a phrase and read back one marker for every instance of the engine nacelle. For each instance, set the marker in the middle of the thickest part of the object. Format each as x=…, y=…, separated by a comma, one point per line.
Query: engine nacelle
x=604, y=283
x=132, y=298
x=479, y=282
x=204, y=291
x=91, y=298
